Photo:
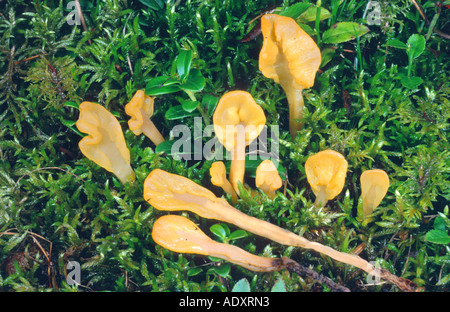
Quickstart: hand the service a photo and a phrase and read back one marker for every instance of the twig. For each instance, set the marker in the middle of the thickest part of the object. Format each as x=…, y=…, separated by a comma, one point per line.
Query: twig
x=80, y=14
x=47, y=255
x=256, y=30
x=402, y=283
x=303, y=271
x=424, y=17
x=408, y=256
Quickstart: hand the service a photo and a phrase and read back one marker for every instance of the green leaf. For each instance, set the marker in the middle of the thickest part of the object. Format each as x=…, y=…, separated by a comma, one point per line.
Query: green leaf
x=279, y=286
x=194, y=81
x=13, y=241
x=307, y=29
x=153, y=4
x=310, y=14
x=410, y=82
x=327, y=56
x=344, y=31
x=219, y=231
x=437, y=237
x=177, y=112
x=444, y=280
x=210, y=102
x=241, y=286
x=439, y=224
x=432, y=25
x=162, y=85
x=69, y=123
x=237, y=234
x=416, y=45
x=189, y=105
x=184, y=60
x=193, y=272
x=295, y=10
x=165, y=147
x=72, y=104
x=395, y=43
x=223, y=270
x=386, y=224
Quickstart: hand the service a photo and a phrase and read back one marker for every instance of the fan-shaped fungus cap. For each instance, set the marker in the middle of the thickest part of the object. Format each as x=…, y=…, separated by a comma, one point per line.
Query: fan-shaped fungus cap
x=326, y=173
x=374, y=186
x=218, y=174
x=267, y=178
x=291, y=58
x=238, y=120
x=105, y=143
x=180, y=234
x=140, y=109
x=171, y=192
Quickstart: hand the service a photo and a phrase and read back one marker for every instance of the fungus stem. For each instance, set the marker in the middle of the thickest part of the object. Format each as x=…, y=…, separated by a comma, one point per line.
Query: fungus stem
x=149, y=129
x=237, y=169
x=126, y=176
x=296, y=104
x=294, y=95
x=245, y=259
x=321, y=198
x=219, y=178
x=226, y=213
x=269, y=193
x=228, y=188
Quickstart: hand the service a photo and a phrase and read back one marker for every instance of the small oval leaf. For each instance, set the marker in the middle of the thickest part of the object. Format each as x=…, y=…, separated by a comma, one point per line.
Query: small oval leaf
x=416, y=45
x=437, y=237
x=161, y=85
x=279, y=286
x=194, y=81
x=184, y=60
x=218, y=230
x=410, y=82
x=295, y=10
x=177, y=112
x=189, y=105
x=344, y=31
x=237, y=234
x=241, y=286
x=395, y=43
x=310, y=14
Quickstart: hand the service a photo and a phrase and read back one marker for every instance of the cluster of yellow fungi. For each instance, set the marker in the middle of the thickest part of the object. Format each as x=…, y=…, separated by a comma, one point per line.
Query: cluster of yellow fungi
x=238, y=121
x=289, y=57
x=105, y=144
x=170, y=192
